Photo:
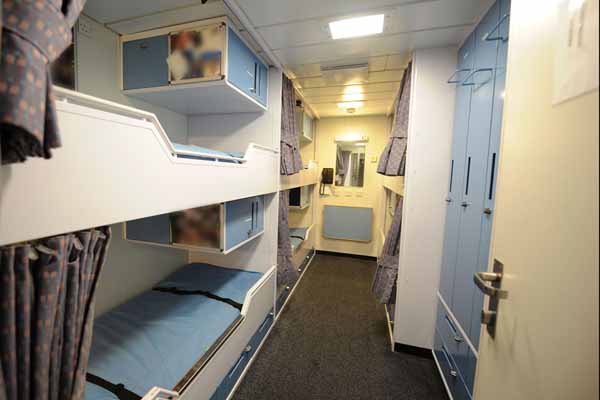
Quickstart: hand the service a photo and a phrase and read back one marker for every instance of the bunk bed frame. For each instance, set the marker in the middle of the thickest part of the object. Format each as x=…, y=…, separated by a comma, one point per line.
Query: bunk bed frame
x=118, y=164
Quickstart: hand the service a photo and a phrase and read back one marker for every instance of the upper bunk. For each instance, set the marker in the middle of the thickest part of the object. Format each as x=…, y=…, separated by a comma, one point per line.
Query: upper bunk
x=116, y=164
x=307, y=176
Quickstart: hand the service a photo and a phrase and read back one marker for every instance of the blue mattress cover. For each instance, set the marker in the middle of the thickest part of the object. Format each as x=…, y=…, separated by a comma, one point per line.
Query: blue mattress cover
x=224, y=282
x=156, y=338
x=298, y=232
x=188, y=147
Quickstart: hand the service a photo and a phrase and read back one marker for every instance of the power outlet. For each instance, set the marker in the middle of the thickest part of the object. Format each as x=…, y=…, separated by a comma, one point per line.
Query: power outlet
x=84, y=27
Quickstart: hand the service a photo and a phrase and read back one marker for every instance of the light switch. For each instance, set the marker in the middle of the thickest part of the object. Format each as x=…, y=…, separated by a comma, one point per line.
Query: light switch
x=373, y=159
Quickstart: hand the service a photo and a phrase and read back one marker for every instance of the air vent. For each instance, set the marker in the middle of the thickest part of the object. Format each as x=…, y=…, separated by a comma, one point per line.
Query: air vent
x=345, y=74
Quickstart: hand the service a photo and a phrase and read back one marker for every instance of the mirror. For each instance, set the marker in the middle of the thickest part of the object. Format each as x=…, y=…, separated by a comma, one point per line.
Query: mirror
x=350, y=164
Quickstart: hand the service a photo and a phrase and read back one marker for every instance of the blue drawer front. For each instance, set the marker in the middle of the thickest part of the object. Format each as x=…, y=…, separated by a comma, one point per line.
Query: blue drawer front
x=145, y=63
x=457, y=347
x=236, y=371
x=238, y=222
x=245, y=70
x=449, y=371
x=153, y=229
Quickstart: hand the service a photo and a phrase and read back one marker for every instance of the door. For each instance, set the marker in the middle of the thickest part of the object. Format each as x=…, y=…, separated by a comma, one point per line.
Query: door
x=545, y=227
x=239, y=221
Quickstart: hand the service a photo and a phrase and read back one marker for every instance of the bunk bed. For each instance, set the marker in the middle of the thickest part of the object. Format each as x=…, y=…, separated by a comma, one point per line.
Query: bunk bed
x=165, y=337
x=307, y=176
x=121, y=163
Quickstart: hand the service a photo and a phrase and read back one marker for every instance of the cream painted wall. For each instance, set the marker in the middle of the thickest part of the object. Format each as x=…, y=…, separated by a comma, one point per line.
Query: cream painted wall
x=545, y=227
x=130, y=268
x=377, y=129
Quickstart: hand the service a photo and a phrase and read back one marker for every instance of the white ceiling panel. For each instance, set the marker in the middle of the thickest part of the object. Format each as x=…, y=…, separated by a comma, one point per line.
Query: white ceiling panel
x=405, y=19
x=370, y=108
x=107, y=11
x=271, y=12
x=373, y=77
x=371, y=46
x=316, y=100
x=355, y=89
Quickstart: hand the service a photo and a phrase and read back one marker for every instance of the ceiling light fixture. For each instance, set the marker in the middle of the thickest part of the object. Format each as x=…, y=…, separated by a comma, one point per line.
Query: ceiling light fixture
x=356, y=27
x=350, y=104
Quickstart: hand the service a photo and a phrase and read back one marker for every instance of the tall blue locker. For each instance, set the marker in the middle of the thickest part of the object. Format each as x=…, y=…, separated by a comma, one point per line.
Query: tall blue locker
x=457, y=168
x=500, y=36
x=480, y=81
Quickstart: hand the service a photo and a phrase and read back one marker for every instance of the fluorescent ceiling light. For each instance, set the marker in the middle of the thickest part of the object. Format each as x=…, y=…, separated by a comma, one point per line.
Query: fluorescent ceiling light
x=350, y=104
x=355, y=27
x=353, y=97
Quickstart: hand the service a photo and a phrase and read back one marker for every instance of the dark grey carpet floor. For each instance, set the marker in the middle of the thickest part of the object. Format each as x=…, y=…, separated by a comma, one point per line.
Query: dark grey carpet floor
x=332, y=343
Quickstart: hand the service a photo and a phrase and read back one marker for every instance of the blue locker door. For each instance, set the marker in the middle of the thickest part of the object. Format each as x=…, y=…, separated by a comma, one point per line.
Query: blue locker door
x=501, y=34
x=263, y=84
x=259, y=216
x=242, y=68
x=238, y=222
x=145, y=63
x=481, y=82
x=457, y=167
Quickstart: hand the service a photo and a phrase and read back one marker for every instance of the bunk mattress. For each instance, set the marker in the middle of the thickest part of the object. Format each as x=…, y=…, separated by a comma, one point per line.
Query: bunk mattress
x=202, y=153
x=156, y=338
x=297, y=236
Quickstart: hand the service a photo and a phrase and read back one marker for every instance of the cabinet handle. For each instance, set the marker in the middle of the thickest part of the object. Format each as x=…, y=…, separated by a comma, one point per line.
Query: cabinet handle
x=451, y=175
x=492, y=177
x=252, y=223
x=450, y=365
x=468, y=177
x=253, y=89
x=453, y=80
x=488, y=36
x=466, y=82
x=457, y=337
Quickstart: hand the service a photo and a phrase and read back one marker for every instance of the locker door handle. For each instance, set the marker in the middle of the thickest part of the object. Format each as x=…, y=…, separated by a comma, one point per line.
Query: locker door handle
x=487, y=211
x=453, y=372
x=449, y=200
x=457, y=337
x=465, y=204
x=488, y=36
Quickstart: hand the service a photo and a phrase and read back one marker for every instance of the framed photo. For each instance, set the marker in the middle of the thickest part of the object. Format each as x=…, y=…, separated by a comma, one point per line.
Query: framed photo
x=196, y=55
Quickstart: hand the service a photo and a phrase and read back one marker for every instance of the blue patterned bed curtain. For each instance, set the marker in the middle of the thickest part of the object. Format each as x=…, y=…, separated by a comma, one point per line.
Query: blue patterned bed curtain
x=47, y=292
x=393, y=159
x=384, y=282
x=291, y=161
x=286, y=272
x=34, y=33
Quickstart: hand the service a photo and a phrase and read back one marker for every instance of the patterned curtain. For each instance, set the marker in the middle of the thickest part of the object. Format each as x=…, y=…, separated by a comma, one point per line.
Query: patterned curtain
x=393, y=159
x=47, y=292
x=34, y=33
x=389, y=260
x=291, y=162
x=286, y=272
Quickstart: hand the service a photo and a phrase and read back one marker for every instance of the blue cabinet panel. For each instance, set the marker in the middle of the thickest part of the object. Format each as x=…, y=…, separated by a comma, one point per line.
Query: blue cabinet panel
x=457, y=169
x=153, y=229
x=145, y=63
x=348, y=223
x=259, y=215
x=492, y=164
x=245, y=70
x=238, y=221
x=481, y=82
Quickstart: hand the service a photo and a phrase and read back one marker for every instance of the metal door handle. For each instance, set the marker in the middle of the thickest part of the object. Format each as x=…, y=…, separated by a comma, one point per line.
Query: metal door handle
x=489, y=283
x=487, y=211
x=480, y=279
x=466, y=82
x=452, y=79
x=488, y=36
x=449, y=200
x=465, y=204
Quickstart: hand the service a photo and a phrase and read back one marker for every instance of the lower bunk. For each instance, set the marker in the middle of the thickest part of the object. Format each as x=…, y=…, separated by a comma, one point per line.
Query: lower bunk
x=190, y=337
x=303, y=252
